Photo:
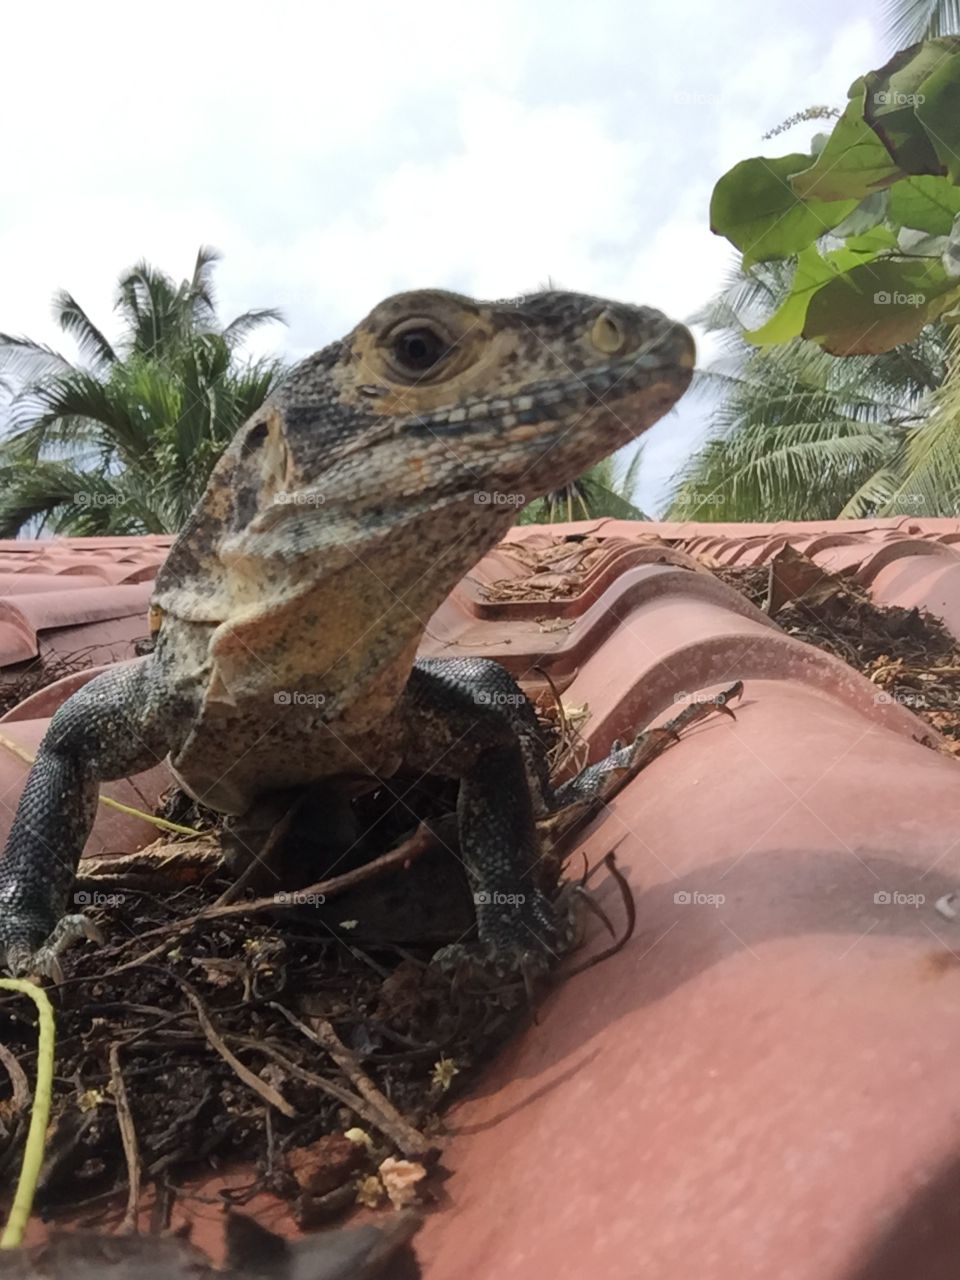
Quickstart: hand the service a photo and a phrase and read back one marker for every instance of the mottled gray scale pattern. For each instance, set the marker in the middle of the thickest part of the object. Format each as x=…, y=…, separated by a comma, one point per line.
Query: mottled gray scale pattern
x=293, y=601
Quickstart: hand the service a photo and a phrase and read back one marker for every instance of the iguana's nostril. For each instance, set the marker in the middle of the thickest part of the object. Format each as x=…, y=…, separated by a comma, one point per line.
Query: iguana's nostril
x=607, y=334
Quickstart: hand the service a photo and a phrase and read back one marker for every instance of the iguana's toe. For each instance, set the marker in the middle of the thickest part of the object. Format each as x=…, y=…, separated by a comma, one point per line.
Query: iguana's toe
x=26, y=949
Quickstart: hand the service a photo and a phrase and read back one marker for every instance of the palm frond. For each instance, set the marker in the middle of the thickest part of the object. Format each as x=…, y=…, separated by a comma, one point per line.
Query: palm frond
x=73, y=320
x=22, y=359
x=795, y=471
x=199, y=291
x=908, y=21
x=153, y=310
x=607, y=489
x=796, y=432
x=929, y=463
x=126, y=444
x=240, y=328
x=872, y=496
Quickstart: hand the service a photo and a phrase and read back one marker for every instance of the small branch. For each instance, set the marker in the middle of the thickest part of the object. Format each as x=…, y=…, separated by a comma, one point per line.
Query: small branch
x=409, y=1140
x=422, y=841
x=131, y=1147
x=366, y=1111
x=265, y=1091
x=39, y=1116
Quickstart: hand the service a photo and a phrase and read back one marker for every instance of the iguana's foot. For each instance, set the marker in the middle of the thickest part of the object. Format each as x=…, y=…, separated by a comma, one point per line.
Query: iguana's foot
x=29, y=946
x=526, y=937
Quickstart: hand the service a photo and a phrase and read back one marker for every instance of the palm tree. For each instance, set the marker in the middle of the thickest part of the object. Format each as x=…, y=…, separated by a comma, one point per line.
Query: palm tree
x=605, y=490
x=925, y=475
x=123, y=442
x=911, y=20
x=800, y=434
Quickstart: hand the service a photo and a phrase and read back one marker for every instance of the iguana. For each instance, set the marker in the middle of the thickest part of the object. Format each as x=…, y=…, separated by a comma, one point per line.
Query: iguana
x=292, y=603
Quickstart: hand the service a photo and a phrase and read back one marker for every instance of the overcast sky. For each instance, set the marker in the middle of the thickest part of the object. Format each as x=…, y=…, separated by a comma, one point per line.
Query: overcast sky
x=339, y=152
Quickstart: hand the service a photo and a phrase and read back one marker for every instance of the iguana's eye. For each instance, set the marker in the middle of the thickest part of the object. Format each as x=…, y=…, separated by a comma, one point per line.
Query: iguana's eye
x=417, y=350
x=254, y=439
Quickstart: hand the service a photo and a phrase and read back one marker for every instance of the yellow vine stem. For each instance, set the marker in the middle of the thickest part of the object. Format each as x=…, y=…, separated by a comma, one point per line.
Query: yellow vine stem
x=39, y=1115
x=15, y=749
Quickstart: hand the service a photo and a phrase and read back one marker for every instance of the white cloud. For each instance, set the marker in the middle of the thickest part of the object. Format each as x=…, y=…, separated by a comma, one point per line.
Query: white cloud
x=337, y=154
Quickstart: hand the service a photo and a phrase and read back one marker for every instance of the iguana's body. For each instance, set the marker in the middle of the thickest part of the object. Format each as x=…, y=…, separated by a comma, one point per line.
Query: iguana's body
x=293, y=602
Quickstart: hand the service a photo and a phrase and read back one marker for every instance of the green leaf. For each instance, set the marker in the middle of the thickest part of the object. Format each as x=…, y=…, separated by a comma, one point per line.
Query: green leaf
x=853, y=164
x=813, y=272
x=878, y=306
x=868, y=244
x=754, y=207
x=939, y=111
x=787, y=322
x=893, y=95
x=928, y=204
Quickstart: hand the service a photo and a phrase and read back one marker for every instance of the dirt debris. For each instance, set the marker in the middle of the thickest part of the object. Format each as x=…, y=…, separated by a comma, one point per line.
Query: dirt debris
x=910, y=655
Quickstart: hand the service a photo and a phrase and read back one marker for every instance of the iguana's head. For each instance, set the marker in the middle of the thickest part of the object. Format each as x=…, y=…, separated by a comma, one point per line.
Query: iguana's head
x=435, y=407
x=447, y=395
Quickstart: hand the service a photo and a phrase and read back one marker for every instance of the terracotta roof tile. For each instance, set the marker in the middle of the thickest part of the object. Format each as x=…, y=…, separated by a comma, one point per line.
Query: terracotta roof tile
x=904, y=560
x=719, y=1095
x=64, y=595
x=760, y=1083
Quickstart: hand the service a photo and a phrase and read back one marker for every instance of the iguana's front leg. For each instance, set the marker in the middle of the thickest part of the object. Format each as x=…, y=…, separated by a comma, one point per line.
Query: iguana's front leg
x=111, y=728
x=455, y=726
x=468, y=717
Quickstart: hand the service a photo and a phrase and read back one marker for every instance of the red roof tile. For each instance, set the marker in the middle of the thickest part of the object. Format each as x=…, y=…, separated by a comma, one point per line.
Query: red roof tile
x=904, y=560
x=717, y=1100
x=66, y=595
x=761, y=1082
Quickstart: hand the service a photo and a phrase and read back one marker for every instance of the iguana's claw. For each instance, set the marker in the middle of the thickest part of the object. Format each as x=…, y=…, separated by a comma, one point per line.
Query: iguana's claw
x=44, y=960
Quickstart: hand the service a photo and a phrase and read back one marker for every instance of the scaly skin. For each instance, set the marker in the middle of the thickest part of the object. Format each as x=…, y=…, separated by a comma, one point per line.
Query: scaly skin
x=293, y=602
